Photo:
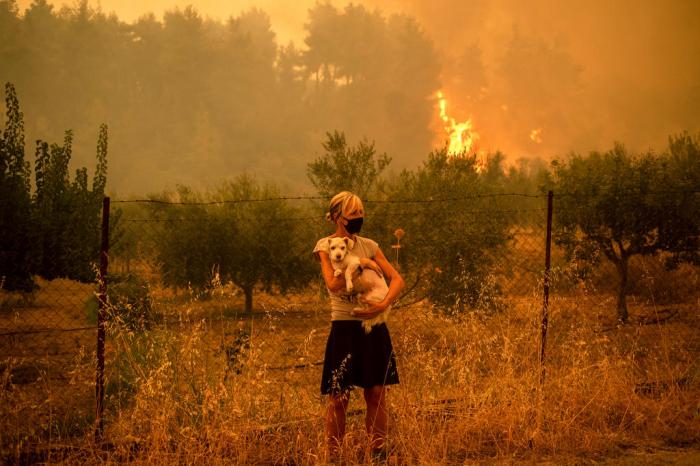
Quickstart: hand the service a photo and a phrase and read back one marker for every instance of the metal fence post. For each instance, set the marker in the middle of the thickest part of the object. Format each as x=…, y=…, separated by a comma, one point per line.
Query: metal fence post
x=544, y=322
x=101, y=314
x=547, y=269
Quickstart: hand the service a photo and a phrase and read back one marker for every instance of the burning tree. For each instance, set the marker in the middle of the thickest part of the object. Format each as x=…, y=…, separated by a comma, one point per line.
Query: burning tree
x=623, y=205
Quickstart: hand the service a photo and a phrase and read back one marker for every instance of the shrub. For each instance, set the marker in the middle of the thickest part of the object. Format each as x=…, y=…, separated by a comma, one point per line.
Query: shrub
x=129, y=302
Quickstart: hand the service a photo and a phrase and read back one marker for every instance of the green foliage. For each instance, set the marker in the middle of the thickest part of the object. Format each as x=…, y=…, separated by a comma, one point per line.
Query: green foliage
x=138, y=353
x=451, y=250
x=99, y=181
x=129, y=303
x=253, y=244
x=344, y=168
x=679, y=221
x=127, y=244
x=236, y=351
x=268, y=246
x=54, y=232
x=129, y=300
x=66, y=215
x=190, y=243
x=15, y=273
x=619, y=205
x=450, y=253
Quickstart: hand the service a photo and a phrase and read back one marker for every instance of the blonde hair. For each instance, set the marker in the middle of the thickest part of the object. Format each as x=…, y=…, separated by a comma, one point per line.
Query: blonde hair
x=343, y=203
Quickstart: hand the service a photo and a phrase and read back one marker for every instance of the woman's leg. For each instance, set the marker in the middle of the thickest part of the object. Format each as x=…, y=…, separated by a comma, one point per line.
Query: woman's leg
x=335, y=420
x=376, y=419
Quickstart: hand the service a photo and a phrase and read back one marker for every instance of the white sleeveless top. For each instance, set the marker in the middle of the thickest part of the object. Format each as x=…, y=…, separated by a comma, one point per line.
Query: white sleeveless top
x=343, y=303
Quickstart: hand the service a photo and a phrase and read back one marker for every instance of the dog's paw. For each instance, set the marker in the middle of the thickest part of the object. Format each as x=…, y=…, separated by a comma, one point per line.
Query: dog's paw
x=338, y=273
x=349, y=286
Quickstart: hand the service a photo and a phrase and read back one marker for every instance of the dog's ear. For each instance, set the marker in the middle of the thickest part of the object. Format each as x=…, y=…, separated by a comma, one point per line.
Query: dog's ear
x=350, y=243
x=329, y=243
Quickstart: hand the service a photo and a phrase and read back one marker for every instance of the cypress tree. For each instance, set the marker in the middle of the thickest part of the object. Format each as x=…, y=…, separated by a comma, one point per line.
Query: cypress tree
x=15, y=201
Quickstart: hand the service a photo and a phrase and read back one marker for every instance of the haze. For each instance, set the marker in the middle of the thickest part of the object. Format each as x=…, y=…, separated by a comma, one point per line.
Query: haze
x=581, y=74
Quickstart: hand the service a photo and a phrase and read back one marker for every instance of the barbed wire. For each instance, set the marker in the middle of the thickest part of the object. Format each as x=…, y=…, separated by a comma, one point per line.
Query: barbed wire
x=323, y=218
x=318, y=198
x=627, y=194
x=429, y=200
x=229, y=201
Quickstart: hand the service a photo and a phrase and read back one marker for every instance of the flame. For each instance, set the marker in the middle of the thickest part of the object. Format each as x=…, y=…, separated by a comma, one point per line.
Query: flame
x=536, y=135
x=462, y=136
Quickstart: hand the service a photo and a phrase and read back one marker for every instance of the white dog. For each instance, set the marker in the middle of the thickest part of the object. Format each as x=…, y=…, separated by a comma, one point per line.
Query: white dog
x=368, y=283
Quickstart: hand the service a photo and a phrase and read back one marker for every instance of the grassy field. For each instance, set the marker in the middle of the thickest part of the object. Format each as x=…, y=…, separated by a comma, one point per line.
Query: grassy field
x=209, y=384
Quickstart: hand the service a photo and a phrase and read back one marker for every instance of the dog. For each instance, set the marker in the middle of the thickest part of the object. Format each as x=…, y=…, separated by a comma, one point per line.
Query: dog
x=368, y=283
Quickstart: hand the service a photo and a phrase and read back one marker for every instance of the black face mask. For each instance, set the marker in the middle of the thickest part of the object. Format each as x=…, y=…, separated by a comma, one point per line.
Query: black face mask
x=354, y=225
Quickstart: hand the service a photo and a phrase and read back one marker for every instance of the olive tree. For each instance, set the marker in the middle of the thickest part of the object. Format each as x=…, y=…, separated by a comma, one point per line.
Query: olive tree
x=624, y=204
x=268, y=247
x=346, y=168
x=243, y=231
x=452, y=226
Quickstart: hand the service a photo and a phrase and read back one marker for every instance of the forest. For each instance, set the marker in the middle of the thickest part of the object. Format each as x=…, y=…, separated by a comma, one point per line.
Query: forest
x=192, y=100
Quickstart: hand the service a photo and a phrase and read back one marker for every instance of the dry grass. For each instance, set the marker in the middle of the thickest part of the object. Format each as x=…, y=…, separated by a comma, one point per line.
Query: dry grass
x=212, y=385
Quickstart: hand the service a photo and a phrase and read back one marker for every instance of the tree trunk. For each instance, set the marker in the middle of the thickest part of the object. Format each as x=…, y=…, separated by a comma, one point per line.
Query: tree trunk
x=248, y=299
x=622, y=268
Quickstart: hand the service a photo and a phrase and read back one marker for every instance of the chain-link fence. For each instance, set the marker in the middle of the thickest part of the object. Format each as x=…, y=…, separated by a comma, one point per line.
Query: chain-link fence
x=227, y=294
x=292, y=328
x=47, y=340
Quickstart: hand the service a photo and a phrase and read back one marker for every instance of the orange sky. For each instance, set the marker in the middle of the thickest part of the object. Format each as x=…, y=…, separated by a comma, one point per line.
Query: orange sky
x=287, y=16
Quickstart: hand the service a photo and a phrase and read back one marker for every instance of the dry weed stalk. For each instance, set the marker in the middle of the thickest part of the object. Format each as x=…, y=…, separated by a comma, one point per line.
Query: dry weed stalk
x=178, y=392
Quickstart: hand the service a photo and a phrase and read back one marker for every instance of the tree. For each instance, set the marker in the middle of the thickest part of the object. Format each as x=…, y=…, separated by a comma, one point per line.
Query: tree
x=15, y=200
x=66, y=215
x=624, y=205
x=10, y=39
x=322, y=41
x=451, y=228
x=225, y=93
x=344, y=168
x=188, y=241
x=249, y=237
x=374, y=76
x=680, y=220
x=269, y=244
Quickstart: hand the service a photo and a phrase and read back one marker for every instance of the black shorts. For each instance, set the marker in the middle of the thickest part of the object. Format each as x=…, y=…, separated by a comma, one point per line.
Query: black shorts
x=355, y=358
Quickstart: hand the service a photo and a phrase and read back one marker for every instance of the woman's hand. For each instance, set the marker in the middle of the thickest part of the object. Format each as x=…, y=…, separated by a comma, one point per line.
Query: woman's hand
x=367, y=263
x=371, y=309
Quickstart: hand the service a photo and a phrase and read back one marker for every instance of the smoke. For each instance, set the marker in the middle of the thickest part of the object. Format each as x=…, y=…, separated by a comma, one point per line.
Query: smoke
x=581, y=74
x=586, y=73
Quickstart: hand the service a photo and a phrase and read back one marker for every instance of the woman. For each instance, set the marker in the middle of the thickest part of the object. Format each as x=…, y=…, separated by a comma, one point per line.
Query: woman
x=354, y=358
